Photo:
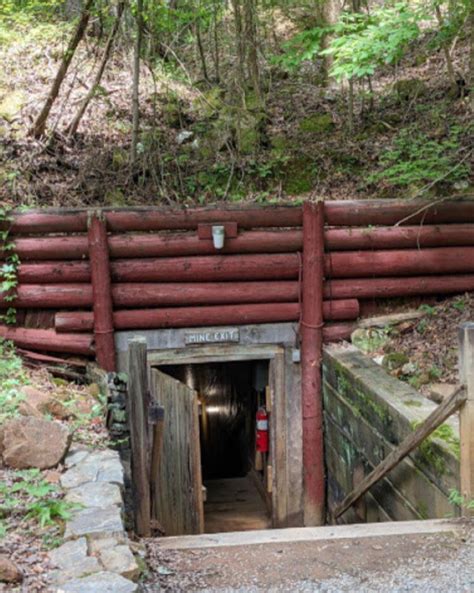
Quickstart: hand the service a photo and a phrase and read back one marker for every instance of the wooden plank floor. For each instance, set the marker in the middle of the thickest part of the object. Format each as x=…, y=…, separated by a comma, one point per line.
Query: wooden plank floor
x=234, y=505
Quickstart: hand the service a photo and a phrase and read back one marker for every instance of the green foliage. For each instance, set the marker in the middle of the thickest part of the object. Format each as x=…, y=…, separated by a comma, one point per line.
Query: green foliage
x=417, y=159
x=12, y=377
x=302, y=47
x=460, y=304
x=363, y=42
x=9, y=269
x=428, y=309
x=29, y=497
x=457, y=499
x=39, y=9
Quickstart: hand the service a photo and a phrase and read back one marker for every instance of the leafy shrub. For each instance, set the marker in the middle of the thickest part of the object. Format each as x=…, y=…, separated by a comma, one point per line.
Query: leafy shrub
x=416, y=159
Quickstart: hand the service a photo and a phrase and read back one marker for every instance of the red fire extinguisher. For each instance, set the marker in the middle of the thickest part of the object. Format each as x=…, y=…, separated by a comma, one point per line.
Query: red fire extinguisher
x=262, y=430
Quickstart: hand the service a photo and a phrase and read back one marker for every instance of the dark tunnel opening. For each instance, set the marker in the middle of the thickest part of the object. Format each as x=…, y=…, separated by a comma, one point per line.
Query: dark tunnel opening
x=229, y=394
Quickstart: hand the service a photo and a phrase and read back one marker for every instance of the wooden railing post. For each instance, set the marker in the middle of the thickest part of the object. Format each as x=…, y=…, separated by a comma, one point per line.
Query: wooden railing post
x=102, y=291
x=466, y=416
x=138, y=422
x=311, y=359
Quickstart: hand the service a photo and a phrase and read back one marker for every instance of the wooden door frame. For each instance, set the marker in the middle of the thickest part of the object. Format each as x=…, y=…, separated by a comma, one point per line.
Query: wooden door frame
x=275, y=355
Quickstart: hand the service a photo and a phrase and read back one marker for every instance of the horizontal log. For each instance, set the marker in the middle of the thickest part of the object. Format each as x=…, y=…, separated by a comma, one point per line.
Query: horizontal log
x=368, y=288
x=406, y=262
x=281, y=266
x=389, y=212
x=338, y=213
x=208, y=268
x=58, y=296
x=402, y=237
x=193, y=269
x=50, y=296
x=153, y=245
x=54, y=272
x=143, y=295
x=48, y=340
x=195, y=316
x=139, y=245
x=153, y=219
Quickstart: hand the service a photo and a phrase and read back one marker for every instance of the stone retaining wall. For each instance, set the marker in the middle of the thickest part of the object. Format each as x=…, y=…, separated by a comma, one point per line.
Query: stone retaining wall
x=367, y=413
x=96, y=555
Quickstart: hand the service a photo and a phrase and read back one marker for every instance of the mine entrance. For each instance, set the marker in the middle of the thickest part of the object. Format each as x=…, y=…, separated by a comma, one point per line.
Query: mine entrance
x=234, y=477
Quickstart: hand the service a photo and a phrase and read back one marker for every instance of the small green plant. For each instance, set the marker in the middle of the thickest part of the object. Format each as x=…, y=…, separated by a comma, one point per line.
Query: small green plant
x=428, y=309
x=460, y=304
x=422, y=326
x=457, y=499
x=29, y=497
x=435, y=372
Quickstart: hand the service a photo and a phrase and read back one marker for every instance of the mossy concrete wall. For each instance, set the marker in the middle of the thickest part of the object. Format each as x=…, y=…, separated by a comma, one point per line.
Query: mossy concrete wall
x=367, y=413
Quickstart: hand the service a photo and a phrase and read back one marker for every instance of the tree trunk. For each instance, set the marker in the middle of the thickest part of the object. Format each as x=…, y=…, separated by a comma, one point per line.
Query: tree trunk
x=201, y=50
x=136, y=83
x=39, y=126
x=447, y=55
x=240, y=42
x=251, y=40
x=328, y=14
x=72, y=128
x=471, y=58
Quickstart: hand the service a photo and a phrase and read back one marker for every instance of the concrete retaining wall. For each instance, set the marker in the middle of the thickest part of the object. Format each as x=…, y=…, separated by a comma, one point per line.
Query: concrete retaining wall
x=367, y=413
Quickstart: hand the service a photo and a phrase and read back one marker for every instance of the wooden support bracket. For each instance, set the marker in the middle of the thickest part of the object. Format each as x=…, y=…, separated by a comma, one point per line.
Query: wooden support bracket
x=102, y=291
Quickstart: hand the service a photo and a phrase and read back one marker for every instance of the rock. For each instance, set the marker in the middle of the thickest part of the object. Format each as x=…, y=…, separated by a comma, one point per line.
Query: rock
x=184, y=136
x=96, y=494
x=409, y=88
x=100, y=466
x=409, y=368
x=116, y=557
x=9, y=572
x=95, y=522
x=74, y=456
x=441, y=391
x=37, y=403
x=34, y=442
x=368, y=340
x=394, y=360
x=103, y=582
x=317, y=123
x=72, y=561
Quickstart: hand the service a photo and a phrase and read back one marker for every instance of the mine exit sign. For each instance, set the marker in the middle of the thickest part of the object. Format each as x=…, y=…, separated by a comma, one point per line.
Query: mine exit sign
x=213, y=336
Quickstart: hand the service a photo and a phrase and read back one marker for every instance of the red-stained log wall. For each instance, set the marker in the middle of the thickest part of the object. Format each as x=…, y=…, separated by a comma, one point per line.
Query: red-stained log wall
x=162, y=274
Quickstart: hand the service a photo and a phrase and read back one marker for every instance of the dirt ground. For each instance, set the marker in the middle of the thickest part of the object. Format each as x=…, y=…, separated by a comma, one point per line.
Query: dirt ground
x=433, y=563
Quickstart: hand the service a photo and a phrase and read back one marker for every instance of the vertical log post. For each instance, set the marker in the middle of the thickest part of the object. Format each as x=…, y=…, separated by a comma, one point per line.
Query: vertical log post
x=466, y=416
x=138, y=421
x=311, y=357
x=102, y=291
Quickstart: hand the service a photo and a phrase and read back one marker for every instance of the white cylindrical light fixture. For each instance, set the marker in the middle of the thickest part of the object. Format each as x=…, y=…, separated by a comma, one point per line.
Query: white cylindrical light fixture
x=218, y=236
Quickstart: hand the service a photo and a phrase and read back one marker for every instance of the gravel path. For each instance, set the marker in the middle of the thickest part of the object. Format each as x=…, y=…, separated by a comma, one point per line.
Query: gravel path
x=440, y=563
